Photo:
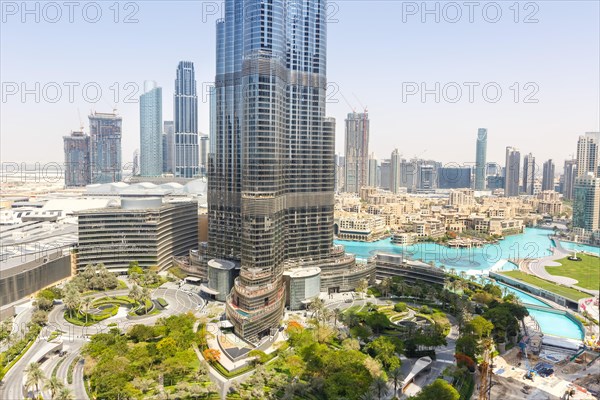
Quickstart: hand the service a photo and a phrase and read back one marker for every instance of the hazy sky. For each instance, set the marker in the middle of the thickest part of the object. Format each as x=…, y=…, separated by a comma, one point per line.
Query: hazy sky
x=379, y=54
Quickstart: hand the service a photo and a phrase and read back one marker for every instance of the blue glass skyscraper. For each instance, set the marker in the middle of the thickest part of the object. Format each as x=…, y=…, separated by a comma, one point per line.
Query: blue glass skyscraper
x=186, y=121
x=151, y=152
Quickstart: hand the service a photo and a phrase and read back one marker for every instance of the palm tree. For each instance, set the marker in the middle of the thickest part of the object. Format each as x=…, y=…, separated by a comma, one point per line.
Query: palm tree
x=145, y=296
x=85, y=306
x=368, y=395
x=35, y=376
x=380, y=387
x=337, y=313
x=316, y=306
x=65, y=394
x=72, y=299
x=385, y=285
x=396, y=377
x=54, y=385
x=362, y=286
x=135, y=293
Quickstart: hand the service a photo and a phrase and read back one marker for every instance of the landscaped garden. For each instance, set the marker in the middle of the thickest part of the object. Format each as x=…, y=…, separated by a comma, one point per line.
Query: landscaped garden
x=586, y=271
x=564, y=291
x=148, y=362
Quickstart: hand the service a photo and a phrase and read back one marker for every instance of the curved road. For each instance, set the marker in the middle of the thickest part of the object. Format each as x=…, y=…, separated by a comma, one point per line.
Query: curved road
x=180, y=301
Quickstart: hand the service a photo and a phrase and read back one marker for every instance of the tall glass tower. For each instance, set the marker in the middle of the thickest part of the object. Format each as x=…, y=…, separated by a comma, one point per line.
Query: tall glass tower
x=480, y=159
x=271, y=162
x=151, y=141
x=357, y=151
x=105, y=147
x=186, y=121
x=511, y=172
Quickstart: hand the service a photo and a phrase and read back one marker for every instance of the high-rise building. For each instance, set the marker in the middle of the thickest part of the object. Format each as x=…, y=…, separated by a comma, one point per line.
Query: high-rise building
x=186, y=121
x=480, y=159
x=340, y=174
x=77, y=159
x=408, y=174
x=454, y=178
x=386, y=175
x=169, y=146
x=587, y=153
x=357, y=151
x=372, y=181
x=511, y=172
x=569, y=175
x=204, y=149
x=492, y=169
x=586, y=202
x=548, y=175
x=427, y=177
x=395, y=171
x=105, y=147
x=151, y=126
x=528, y=173
x=271, y=164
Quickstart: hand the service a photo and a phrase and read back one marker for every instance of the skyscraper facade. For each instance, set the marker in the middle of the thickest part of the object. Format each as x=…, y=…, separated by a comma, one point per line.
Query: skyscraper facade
x=511, y=172
x=395, y=171
x=454, y=178
x=372, y=171
x=528, y=173
x=587, y=153
x=480, y=159
x=186, y=121
x=169, y=147
x=386, y=173
x=569, y=175
x=357, y=151
x=204, y=149
x=105, y=147
x=151, y=126
x=77, y=159
x=271, y=164
x=586, y=202
x=548, y=175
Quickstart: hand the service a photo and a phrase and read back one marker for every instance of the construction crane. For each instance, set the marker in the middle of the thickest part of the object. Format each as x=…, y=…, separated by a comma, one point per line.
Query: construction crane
x=485, y=385
x=80, y=120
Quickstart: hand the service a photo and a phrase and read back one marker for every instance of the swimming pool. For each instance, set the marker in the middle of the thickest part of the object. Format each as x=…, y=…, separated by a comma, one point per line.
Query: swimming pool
x=580, y=247
x=533, y=243
x=551, y=323
x=557, y=324
x=522, y=296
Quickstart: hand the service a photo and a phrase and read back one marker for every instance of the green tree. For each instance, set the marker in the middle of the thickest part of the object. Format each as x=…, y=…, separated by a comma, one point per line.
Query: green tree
x=72, y=299
x=384, y=350
x=396, y=377
x=167, y=347
x=481, y=326
x=380, y=388
x=35, y=376
x=438, y=390
x=64, y=394
x=54, y=385
x=85, y=306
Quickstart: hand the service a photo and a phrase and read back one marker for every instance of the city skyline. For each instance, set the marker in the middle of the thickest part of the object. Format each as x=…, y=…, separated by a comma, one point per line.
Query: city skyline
x=524, y=129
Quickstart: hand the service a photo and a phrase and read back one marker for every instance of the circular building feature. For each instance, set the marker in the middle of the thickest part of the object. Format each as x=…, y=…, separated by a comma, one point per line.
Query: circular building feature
x=301, y=284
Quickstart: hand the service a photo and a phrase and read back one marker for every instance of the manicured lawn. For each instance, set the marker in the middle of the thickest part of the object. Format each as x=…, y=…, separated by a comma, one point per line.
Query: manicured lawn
x=560, y=290
x=586, y=271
